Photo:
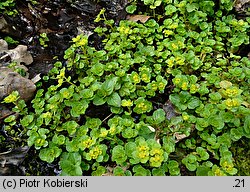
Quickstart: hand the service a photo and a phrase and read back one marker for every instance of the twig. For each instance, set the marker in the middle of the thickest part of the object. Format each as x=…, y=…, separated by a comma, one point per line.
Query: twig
x=107, y=117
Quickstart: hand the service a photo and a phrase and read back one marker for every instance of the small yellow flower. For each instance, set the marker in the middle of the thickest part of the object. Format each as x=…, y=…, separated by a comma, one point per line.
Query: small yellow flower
x=124, y=30
x=241, y=22
x=60, y=82
x=232, y=92
x=61, y=74
x=218, y=172
x=176, y=80
x=227, y=166
x=142, y=106
x=80, y=40
x=184, y=86
x=145, y=77
x=154, y=86
x=161, y=85
x=168, y=32
x=12, y=97
x=127, y=30
x=180, y=60
x=95, y=152
x=174, y=46
x=170, y=63
x=156, y=161
x=156, y=151
x=185, y=117
x=232, y=102
x=103, y=133
x=127, y=103
x=173, y=26
x=112, y=130
x=143, y=155
x=142, y=148
x=88, y=143
x=193, y=88
x=135, y=78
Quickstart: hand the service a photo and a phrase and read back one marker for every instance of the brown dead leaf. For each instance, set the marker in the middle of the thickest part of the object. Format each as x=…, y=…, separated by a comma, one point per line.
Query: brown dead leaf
x=135, y=18
x=179, y=137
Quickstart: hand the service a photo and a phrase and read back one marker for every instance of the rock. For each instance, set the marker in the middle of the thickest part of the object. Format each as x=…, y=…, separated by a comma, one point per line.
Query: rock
x=19, y=54
x=114, y=7
x=92, y=8
x=4, y=27
x=12, y=81
x=85, y=6
x=14, y=156
x=12, y=170
x=10, y=161
x=5, y=112
x=8, y=28
x=3, y=45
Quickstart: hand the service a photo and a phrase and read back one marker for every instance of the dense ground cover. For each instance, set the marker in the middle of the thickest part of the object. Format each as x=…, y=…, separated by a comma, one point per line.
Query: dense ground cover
x=164, y=94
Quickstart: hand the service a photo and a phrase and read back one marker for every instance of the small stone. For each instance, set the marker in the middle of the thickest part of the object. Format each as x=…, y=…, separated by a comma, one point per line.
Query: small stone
x=20, y=54
x=11, y=81
x=3, y=45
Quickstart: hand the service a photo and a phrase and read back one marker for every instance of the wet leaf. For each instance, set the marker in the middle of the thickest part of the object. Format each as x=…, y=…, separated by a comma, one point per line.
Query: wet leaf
x=131, y=8
x=159, y=116
x=114, y=100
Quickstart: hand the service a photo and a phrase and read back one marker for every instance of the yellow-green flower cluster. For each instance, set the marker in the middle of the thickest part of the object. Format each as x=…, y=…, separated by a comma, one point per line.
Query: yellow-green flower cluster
x=95, y=152
x=231, y=92
x=103, y=132
x=127, y=103
x=143, y=153
x=61, y=76
x=186, y=83
x=66, y=93
x=219, y=172
x=124, y=30
x=216, y=171
x=86, y=143
x=228, y=167
x=135, y=78
x=113, y=123
x=112, y=130
x=12, y=97
x=80, y=40
x=142, y=106
x=234, y=102
x=156, y=157
x=181, y=81
x=145, y=74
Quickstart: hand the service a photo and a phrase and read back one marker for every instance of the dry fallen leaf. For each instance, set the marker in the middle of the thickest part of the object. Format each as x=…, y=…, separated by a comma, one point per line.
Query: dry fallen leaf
x=36, y=78
x=135, y=18
x=179, y=137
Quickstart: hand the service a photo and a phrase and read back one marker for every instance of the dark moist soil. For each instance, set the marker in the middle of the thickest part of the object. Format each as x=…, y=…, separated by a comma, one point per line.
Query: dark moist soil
x=61, y=21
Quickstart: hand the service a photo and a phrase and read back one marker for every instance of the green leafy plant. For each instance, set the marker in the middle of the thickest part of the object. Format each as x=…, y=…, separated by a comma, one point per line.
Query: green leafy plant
x=173, y=94
x=7, y=6
x=43, y=39
x=152, y=3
